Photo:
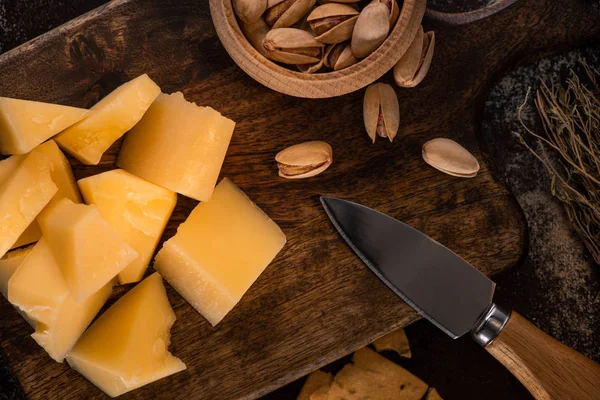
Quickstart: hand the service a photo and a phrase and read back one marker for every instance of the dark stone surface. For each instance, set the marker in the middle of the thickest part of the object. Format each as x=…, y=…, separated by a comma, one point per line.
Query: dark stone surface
x=556, y=286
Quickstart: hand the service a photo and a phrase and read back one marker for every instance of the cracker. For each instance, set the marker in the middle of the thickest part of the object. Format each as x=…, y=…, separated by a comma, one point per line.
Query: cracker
x=403, y=384
x=371, y=377
x=315, y=381
x=432, y=394
x=355, y=383
x=320, y=394
x=395, y=341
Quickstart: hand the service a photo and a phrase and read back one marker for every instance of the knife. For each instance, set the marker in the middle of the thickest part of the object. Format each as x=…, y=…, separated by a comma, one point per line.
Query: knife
x=457, y=298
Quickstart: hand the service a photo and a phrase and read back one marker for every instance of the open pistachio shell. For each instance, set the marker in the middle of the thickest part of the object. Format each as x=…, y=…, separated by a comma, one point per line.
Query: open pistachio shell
x=339, y=1
x=287, y=12
x=394, y=13
x=255, y=32
x=304, y=24
x=339, y=33
x=339, y=56
x=333, y=23
x=450, y=157
x=292, y=46
x=304, y=160
x=393, y=9
x=381, y=111
x=311, y=68
x=331, y=10
x=412, y=68
x=428, y=49
x=407, y=67
x=329, y=50
x=371, y=29
x=249, y=11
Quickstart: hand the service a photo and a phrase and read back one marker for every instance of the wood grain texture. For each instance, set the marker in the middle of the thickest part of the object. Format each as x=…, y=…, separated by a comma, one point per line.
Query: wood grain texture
x=320, y=85
x=316, y=302
x=546, y=367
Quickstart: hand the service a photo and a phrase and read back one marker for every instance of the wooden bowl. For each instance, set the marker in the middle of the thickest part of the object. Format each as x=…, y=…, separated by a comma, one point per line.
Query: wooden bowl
x=318, y=85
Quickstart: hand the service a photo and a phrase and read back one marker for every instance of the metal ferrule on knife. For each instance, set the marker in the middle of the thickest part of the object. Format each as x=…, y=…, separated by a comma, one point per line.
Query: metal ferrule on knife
x=490, y=325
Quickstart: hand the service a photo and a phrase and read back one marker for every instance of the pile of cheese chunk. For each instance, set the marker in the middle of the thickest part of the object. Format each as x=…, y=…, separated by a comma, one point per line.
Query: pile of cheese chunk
x=65, y=243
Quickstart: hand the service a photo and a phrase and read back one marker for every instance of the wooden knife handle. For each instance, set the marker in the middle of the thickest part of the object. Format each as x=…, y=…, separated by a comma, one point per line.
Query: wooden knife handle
x=546, y=367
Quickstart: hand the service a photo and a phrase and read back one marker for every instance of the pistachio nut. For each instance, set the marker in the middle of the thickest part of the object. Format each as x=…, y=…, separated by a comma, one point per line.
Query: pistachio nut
x=249, y=11
x=371, y=29
x=339, y=56
x=310, y=68
x=303, y=23
x=255, y=32
x=450, y=157
x=339, y=1
x=394, y=10
x=283, y=14
x=333, y=22
x=304, y=160
x=381, y=111
x=292, y=46
x=412, y=68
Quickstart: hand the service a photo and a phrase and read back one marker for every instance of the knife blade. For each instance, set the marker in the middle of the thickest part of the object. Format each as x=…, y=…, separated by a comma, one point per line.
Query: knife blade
x=458, y=299
x=433, y=280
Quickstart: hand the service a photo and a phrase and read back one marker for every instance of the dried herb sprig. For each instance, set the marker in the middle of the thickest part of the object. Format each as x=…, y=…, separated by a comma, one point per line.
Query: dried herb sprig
x=570, y=149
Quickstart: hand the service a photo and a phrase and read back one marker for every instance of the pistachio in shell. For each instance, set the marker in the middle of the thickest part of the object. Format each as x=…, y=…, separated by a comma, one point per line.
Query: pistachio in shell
x=286, y=13
x=412, y=68
x=371, y=29
x=303, y=23
x=304, y=160
x=255, y=32
x=339, y=56
x=311, y=68
x=292, y=46
x=339, y=1
x=381, y=111
x=450, y=157
x=249, y=11
x=394, y=10
x=333, y=22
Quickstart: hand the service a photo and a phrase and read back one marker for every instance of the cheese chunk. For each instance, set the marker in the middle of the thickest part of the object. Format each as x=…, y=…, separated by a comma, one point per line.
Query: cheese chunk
x=127, y=347
x=219, y=251
x=61, y=174
x=28, y=190
x=88, y=250
x=109, y=120
x=8, y=265
x=138, y=211
x=25, y=124
x=33, y=232
x=9, y=165
x=179, y=146
x=39, y=290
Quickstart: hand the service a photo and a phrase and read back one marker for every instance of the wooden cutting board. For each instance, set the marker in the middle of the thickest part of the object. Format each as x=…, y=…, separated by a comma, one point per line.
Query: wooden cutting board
x=316, y=302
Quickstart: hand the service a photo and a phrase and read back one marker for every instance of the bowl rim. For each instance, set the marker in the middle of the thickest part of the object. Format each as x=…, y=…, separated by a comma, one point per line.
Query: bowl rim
x=330, y=84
